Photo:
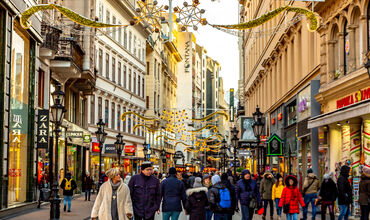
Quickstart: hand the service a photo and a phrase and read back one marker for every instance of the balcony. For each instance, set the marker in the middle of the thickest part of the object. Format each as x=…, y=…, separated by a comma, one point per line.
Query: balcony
x=50, y=36
x=67, y=63
x=171, y=75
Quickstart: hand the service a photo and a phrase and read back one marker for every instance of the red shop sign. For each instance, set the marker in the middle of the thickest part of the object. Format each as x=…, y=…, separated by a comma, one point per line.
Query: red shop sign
x=95, y=147
x=130, y=149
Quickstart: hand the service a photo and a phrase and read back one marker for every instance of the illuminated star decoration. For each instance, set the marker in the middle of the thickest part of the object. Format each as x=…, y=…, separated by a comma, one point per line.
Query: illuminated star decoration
x=150, y=14
x=190, y=16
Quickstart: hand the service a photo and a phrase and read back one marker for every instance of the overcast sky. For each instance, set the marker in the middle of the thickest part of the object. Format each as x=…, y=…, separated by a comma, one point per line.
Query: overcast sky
x=220, y=46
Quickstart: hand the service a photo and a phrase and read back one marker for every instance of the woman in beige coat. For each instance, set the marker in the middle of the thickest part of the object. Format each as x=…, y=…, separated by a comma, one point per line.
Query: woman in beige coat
x=113, y=201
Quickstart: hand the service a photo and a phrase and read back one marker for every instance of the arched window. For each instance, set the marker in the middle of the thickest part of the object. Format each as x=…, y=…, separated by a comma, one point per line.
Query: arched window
x=346, y=48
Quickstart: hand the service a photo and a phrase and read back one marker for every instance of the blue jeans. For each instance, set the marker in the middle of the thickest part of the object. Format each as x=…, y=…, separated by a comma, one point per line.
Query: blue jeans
x=173, y=215
x=247, y=213
x=69, y=200
x=209, y=214
x=219, y=216
x=344, y=212
x=309, y=198
x=87, y=194
x=291, y=216
x=278, y=209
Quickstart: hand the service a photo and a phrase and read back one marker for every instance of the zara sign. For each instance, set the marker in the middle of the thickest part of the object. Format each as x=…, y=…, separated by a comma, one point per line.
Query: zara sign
x=42, y=128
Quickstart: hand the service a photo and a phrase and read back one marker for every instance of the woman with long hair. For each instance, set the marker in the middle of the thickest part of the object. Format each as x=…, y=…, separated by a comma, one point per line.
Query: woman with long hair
x=290, y=198
x=277, y=190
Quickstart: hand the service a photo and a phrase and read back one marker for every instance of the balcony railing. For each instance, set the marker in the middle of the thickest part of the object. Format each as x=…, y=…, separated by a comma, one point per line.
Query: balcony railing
x=50, y=36
x=69, y=49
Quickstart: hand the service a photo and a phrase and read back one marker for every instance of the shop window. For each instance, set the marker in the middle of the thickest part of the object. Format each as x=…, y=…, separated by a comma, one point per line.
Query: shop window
x=100, y=108
x=92, y=109
x=19, y=117
x=106, y=113
x=346, y=48
x=41, y=88
x=292, y=113
x=119, y=74
x=113, y=114
x=118, y=117
x=113, y=69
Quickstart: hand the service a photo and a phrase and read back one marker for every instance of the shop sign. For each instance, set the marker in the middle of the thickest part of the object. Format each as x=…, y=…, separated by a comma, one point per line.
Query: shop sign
x=187, y=56
x=130, y=150
x=74, y=134
x=274, y=146
x=87, y=138
x=183, y=169
x=247, y=133
x=231, y=101
x=126, y=162
x=304, y=103
x=354, y=98
x=95, y=147
x=178, y=155
x=42, y=128
x=109, y=149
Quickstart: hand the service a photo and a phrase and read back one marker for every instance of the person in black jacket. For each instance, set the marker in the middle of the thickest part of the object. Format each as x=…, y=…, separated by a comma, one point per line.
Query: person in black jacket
x=231, y=188
x=364, y=193
x=344, y=193
x=172, y=194
x=328, y=195
x=68, y=185
x=197, y=200
x=87, y=184
x=220, y=213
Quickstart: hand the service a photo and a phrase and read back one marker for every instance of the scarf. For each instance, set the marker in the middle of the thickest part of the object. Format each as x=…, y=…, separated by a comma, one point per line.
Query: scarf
x=247, y=184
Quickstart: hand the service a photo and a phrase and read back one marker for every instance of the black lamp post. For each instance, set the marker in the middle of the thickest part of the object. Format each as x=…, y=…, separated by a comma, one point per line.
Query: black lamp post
x=100, y=136
x=224, y=152
x=119, y=145
x=258, y=126
x=57, y=113
x=163, y=157
x=235, y=139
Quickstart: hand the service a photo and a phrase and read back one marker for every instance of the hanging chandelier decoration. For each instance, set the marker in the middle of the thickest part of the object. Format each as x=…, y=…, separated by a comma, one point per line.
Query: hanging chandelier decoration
x=150, y=14
x=190, y=15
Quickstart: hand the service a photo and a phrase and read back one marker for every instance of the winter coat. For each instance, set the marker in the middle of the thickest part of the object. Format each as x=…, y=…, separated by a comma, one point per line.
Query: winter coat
x=344, y=187
x=145, y=195
x=266, y=187
x=102, y=205
x=277, y=191
x=63, y=185
x=243, y=195
x=309, y=188
x=172, y=193
x=364, y=190
x=196, y=203
x=292, y=196
x=87, y=183
x=328, y=191
x=214, y=199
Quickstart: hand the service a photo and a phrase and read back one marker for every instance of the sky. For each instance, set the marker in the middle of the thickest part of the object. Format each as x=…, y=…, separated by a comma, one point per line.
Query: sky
x=220, y=46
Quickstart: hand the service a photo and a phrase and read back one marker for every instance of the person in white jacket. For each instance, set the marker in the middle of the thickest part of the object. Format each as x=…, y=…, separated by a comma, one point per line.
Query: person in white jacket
x=113, y=201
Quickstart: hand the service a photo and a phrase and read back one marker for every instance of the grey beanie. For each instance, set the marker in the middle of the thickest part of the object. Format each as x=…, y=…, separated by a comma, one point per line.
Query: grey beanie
x=197, y=182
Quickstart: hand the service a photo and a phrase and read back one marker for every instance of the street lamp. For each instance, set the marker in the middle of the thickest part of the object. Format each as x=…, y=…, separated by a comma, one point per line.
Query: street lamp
x=57, y=113
x=163, y=157
x=119, y=145
x=235, y=139
x=100, y=136
x=258, y=126
x=224, y=152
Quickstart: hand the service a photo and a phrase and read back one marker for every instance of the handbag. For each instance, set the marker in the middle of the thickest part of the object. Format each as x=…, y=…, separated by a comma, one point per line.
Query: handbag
x=286, y=208
x=252, y=203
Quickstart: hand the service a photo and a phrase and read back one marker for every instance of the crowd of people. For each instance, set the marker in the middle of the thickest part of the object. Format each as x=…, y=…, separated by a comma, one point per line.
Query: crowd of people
x=219, y=196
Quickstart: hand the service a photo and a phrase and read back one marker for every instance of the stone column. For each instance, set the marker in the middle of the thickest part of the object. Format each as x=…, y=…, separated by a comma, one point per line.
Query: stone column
x=296, y=57
x=366, y=146
x=346, y=143
x=324, y=58
x=331, y=58
x=355, y=148
x=364, y=34
x=284, y=74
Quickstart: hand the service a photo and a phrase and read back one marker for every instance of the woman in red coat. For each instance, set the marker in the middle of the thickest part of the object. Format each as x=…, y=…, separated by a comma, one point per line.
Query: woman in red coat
x=292, y=196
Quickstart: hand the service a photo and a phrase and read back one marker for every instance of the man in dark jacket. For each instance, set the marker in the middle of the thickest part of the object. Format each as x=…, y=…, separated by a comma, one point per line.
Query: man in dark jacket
x=68, y=185
x=172, y=194
x=328, y=195
x=145, y=193
x=220, y=213
x=344, y=193
x=87, y=184
x=225, y=180
x=266, y=192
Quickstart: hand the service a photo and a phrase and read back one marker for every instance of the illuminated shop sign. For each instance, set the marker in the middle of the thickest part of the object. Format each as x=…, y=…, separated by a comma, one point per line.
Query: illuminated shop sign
x=353, y=98
x=42, y=128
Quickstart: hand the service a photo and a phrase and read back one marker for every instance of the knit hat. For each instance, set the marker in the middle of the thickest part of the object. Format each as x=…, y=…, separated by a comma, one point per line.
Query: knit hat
x=145, y=165
x=207, y=177
x=172, y=170
x=197, y=182
x=216, y=179
x=310, y=171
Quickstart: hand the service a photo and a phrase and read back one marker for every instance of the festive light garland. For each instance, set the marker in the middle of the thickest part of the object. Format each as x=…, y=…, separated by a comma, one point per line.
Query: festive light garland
x=66, y=12
x=145, y=126
x=311, y=16
x=213, y=158
x=220, y=113
x=214, y=127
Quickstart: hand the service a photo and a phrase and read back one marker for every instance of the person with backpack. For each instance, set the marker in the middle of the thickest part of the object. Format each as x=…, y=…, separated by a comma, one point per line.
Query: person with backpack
x=172, y=195
x=277, y=190
x=267, y=183
x=197, y=200
x=225, y=180
x=68, y=185
x=311, y=187
x=328, y=194
x=219, y=199
x=344, y=193
x=248, y=195
x=291, y=198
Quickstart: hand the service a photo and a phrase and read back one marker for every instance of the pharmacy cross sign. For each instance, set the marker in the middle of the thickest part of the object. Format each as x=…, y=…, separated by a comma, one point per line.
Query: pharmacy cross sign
x=274, y=146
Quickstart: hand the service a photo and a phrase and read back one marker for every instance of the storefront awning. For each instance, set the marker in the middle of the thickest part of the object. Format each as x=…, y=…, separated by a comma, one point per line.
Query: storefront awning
x=71, y=127
x=351, y=111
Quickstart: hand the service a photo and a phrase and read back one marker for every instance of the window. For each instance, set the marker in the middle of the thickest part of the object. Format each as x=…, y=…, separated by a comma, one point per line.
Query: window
x=72, y=107
x=147, y=68
x=128, y=124
x=155, y=68
x=114, y=30
x=108, y=21
x=41, y=89
x=106, y=113
x=147, y=102
x=125, y=38
x=113, y=69
x=100, y=55
x=155, y=104
x=119, y=34
x=119, y=74
x=346, y=48
x=119, y=117
x=100, y=108
x=92, y=109
x=101, y=8
x=135, y=45
x=158, y=102
x=129, y=79
x=159, y=71
x=124, y=77
x=124, y=122
x=113, y=115
x=129, y=41
x=139, y=51
x=134, y=83
x=138, y=86
x=143, y=53
x=107, y=65
x=143, y=88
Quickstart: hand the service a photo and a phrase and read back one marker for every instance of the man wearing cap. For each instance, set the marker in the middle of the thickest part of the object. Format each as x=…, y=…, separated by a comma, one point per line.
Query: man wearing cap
x=172, y=194
x=145, y=193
